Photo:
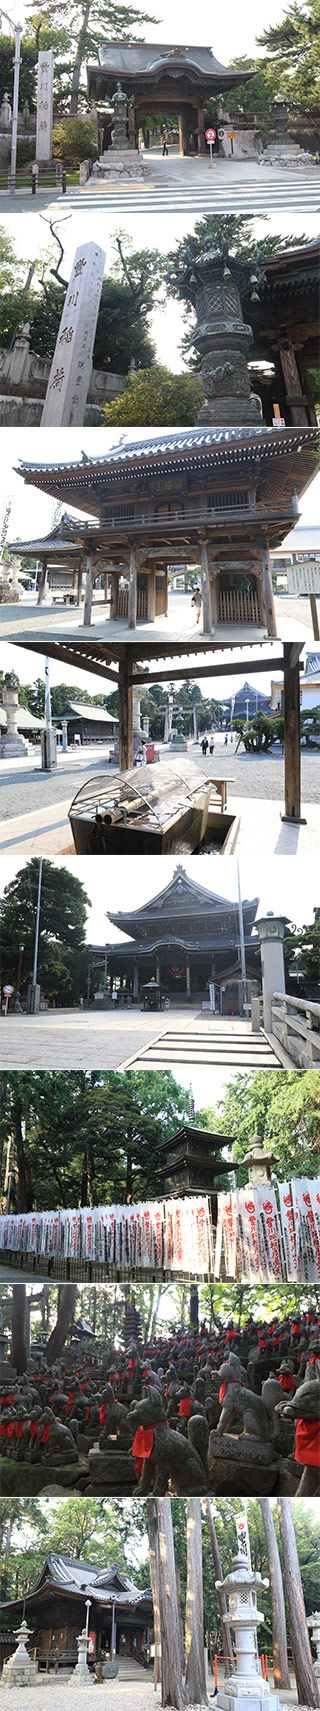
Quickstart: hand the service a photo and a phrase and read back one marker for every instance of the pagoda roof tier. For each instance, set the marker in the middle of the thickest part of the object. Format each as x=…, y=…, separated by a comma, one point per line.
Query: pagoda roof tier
x=191, y=1133
x=145, y=64
x=88, y=481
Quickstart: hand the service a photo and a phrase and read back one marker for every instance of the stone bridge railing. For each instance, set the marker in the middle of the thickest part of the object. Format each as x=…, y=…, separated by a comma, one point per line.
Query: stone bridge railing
x=296, y=1023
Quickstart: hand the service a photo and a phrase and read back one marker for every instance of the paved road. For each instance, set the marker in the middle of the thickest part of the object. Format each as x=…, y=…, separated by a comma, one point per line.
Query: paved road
x=24, y=787
x=185, y=186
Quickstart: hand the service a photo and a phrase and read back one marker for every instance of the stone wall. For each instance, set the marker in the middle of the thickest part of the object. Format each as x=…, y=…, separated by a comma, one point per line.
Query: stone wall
x=23, y=383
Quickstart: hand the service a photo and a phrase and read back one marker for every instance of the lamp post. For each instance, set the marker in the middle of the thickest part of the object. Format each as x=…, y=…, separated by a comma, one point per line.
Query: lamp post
x=17, y=28
x=21, y=950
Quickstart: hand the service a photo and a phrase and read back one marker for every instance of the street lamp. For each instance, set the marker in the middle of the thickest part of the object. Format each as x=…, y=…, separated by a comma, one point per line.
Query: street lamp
x=21, y=950
x=17, y=29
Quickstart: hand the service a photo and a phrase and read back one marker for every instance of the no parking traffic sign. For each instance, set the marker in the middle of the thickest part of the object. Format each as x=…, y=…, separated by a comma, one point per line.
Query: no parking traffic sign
x=210, y=138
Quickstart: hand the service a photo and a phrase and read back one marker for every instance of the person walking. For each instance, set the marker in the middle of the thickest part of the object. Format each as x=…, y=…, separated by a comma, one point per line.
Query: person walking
x=197, y=602
x=211, y=748
x=165, y=149
x=204, y=746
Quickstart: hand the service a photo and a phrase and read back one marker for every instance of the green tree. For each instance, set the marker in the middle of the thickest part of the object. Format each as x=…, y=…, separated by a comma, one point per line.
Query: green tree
x=295, y=45
x=74, y=140
x=89, y=22
x=259, y=735
x=283, y=1106
x=158, y=399
x=63, y=955
x=307, y=941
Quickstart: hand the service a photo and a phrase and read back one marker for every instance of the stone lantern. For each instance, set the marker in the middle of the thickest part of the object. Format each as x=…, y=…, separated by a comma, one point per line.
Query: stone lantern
x=259, y=1162
x=314, y=1625
x=280, y=109
x=213, y=281
x=12, y=744
x=246, y=1682
x=81, y=1671
x=20, y=1670
x=120, y=140
x=271, y=929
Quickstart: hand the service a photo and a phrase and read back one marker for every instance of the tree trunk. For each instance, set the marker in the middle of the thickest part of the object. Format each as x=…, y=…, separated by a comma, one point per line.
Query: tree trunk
x=154, y=1577
x=19, y=1165
x=279, y=1634
x=194, y=1306
x=80, y=56
x=172, y=1692
x=305, y=1677
x=195, y=1664
x=5, y=1561
x=58, y=1335
x=226, y=1635
x=179, y=1603
x=19, y=1351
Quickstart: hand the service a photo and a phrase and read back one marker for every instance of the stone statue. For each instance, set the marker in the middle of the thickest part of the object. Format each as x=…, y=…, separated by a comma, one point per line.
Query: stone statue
x=162, y=1454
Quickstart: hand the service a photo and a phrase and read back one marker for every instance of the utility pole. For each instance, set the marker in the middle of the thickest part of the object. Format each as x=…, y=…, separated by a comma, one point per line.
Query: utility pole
x=17, y=30
x=242, y=944
x=34, y=990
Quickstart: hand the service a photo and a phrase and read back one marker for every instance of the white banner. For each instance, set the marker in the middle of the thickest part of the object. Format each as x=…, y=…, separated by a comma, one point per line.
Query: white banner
x=288, y=1232
x=161, y=1235
x=307, y=1206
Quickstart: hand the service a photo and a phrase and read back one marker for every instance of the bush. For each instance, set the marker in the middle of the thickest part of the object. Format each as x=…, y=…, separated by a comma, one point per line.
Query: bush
x=74, y=140
x=154, y=398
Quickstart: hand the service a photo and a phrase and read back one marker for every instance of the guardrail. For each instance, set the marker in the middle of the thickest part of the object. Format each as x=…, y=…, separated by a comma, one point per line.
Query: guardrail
x=183, y=519
x=296, y=1023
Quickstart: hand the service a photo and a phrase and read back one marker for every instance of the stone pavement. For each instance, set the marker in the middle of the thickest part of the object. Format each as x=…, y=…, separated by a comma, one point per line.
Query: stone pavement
x=185, y=183
x=138, y=1696
x=73, y=1039
x=293, y=622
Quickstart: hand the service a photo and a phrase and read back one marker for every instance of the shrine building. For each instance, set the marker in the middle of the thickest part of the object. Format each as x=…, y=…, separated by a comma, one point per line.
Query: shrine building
x=160, y=79
x=120, y=1621
x=185, y=938
x=218, y=498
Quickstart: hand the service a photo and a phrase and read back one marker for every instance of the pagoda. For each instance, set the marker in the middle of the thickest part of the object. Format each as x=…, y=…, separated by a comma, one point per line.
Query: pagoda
x=186, y=938
x=190, y=1162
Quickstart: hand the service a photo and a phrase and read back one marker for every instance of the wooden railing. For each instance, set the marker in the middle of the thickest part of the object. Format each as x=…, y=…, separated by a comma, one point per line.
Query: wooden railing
x=296, y=1023
x=238, y=606
x=199, y=519
x=123, y=602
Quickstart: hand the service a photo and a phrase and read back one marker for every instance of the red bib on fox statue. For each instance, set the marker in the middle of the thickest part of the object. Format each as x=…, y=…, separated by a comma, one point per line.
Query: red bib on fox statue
x=307, y=1449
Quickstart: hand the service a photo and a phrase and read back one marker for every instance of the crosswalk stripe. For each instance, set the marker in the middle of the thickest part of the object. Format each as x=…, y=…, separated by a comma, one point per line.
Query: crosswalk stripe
x=249, y=198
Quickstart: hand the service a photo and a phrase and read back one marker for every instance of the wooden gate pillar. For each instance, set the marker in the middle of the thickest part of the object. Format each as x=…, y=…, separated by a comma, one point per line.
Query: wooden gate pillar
x=132, y=602
x=88, y=599
x=206, y=603
x=271, y=621
x=43, y=582
x=292, y=752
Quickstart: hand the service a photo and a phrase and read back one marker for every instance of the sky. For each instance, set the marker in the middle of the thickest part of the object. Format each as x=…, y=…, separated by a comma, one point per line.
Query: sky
x=230, y=31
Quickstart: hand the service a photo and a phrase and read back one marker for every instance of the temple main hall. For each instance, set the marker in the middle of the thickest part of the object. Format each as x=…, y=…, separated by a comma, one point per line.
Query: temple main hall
x=185, y=939
x=160, y=79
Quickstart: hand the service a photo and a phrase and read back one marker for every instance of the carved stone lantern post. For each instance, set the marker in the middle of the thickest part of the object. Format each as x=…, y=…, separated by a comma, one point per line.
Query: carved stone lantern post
x=12, y=744
x=314, y=1625
x=120, y=140
x=20, y=1670
x=280, y=109
x=212, y=280
x=259, y=1162
x=246, y=1682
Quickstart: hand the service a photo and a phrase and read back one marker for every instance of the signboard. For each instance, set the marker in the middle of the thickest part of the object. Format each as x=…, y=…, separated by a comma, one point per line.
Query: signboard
x=232, y=134
x=221, y=136
x=91, y=1641
x=8, y=990
x=304, y=578
x=210, y=136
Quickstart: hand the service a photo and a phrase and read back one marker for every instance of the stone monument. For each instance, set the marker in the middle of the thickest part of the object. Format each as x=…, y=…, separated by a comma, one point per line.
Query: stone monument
x=212, y=281
x=246, y=1682
x=11, y=745
x=19, y=1670
x=314, y=1625
x=179, y=741
x=71, y=367
x=44, y=106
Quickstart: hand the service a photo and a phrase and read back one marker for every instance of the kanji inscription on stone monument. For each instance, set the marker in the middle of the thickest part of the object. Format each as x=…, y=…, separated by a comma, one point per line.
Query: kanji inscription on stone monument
x=70, y=374
x=44, y=105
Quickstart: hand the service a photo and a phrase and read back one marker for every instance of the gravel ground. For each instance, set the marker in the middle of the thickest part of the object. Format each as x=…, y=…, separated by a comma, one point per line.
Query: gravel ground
x=25, y=788
x=140, y=1698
